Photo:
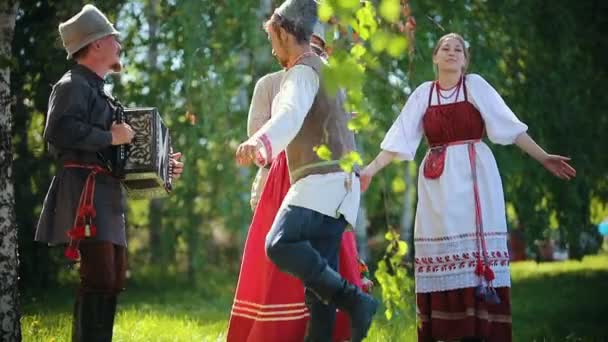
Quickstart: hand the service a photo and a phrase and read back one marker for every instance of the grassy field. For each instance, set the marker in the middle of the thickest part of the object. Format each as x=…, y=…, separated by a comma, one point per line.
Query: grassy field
x=565, y=301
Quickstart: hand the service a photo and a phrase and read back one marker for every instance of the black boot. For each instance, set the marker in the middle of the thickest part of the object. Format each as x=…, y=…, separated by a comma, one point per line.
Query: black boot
x=108, y=311
x=361, y=307
x=77, y=328
x=86, y=318
x=93, y=317
x=322, y=318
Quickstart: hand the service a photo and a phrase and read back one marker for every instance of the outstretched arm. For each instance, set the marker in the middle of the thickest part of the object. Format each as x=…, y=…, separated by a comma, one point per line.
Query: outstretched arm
x=505, y=128
x=402, y=139
x=556, y=164
x=381, y=160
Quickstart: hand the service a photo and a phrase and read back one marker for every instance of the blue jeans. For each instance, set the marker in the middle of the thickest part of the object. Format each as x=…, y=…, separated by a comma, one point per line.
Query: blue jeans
x=303, y=242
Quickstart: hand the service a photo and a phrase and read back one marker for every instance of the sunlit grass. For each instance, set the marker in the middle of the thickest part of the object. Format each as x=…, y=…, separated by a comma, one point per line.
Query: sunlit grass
x=144, y=315
x=561, y=301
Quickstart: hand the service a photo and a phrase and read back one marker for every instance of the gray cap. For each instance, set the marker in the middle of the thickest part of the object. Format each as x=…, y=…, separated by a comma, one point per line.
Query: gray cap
x=85, y=27
x=303, y=13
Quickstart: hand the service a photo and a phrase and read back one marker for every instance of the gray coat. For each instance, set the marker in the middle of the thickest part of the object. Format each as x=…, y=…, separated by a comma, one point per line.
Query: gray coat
x=78, y=130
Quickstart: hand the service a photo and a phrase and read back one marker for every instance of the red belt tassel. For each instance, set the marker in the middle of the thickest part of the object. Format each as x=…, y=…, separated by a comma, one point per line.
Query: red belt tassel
x=83, y=226
x=483, y=269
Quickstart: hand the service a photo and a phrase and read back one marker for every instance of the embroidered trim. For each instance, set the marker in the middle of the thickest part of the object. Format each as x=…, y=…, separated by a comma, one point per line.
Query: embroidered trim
x=458, y=279
x=267, y=146
x=261, y=161
x=460, y=261
x=459, y=236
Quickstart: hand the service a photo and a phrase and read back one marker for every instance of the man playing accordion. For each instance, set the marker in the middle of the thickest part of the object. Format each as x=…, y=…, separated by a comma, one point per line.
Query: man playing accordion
x=84, y=204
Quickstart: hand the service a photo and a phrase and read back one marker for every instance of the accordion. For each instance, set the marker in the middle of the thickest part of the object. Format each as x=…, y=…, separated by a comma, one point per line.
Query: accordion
x=144, y=165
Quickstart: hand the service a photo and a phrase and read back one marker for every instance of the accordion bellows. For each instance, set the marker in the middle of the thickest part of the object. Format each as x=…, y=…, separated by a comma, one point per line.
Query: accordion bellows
x=147, y=169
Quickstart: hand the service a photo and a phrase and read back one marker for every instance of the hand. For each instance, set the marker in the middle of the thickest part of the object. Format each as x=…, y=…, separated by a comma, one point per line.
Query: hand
x=365, y=178
x=559, y=166
x=246, y=152
x=178, y=167
x=121, y=133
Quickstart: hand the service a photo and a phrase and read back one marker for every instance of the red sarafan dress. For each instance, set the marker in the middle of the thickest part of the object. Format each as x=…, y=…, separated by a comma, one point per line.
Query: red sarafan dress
x=269, y=304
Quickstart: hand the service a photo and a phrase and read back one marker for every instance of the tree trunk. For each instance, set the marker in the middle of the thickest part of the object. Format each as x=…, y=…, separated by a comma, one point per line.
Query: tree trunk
x=10, y=329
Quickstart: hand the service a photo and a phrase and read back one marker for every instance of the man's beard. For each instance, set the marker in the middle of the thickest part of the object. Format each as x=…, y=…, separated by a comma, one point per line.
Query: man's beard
x=283, y=61
x=116, y=67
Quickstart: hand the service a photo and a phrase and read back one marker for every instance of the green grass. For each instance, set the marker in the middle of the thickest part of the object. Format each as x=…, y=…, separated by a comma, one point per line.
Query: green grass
x=144, y=315
x=561, y=301
x=565, y=301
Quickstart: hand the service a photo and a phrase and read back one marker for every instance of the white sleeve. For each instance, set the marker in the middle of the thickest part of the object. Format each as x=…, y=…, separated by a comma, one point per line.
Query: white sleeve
x=295, y=98
x=261, y=101
x=502, y=125
x=406, y=132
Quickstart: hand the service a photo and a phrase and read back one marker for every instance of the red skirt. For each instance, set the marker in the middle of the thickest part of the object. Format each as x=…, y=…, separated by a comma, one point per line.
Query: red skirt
x=455, y=314
x=269, y=304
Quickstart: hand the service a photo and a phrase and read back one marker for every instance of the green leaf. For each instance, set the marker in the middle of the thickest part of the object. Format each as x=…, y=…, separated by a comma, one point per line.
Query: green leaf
x=350, y=160
x=354, y=98
x=402, y=248
x=380, y=41
x=343, y=72
x=359, y=122
x=358, y=50
x=323, y=152
x=348, y=4
x=354, y=126
x=396, y=46
x=389, y=314
x=389, y=10
x=325, y=11
x=398, y=185
x=365, y=23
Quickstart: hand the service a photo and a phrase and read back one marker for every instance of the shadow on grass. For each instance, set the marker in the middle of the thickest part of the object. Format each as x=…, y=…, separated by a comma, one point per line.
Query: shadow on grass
x=560, y=307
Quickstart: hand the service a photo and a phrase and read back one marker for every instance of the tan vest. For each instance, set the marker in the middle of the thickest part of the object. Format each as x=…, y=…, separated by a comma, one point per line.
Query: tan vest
x=325, y=123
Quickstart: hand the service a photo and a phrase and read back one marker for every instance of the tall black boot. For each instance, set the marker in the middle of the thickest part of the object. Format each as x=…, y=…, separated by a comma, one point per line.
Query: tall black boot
x=93, y=317
x=77, y=328
x=322, y=318
x=108, y=312
x=86, y=321
x=360, y=306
